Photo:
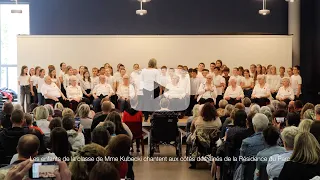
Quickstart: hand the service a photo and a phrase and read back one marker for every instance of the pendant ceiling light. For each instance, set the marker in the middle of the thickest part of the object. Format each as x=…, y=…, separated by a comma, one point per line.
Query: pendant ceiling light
x=144, y=1
x=290, y=0
x=19, y=11
x=264, y=11
x=141, y=11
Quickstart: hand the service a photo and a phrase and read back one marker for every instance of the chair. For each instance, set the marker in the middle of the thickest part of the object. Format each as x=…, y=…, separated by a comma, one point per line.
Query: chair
x=164, y=129
x=136, y=129
x=263, y=175
x=87, y=136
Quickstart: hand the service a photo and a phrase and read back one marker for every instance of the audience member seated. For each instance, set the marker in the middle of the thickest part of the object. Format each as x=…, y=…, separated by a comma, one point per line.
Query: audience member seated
x=276, y=162
x=271, y=136
x=9, y=137
x=27, y=147
x=101, y=91
x=315, y=130
x=80, y=170
x=266, y=111
x=282, y=106
x=247, y=103
x=50, y=111
x=292, y=119
x=222, y=105
x=228, y=119
x=74, y=93
x=253, y=144
x=176, y=94
x=76, y=138
x=60, y=145
x=306, y=107
x=100, y=117
x=261, y=91
x=111, y=127
x=67, y=112
x=234, y=93
x=285, y=92
x=207, y=89
x=125, y=92
x=305, y=125
x=119, y=146
x=58, y=106
x=298, y=105
x=121, y=128
x=104, y=170
x=195, y=115
x=308, y=114
x=5, y=114
x=29, y=122
x=52, y=94
x=55, y=122
x=100, y=135
x=304, y=162
x=83, y=113
x=42, y=122
x=317, y=112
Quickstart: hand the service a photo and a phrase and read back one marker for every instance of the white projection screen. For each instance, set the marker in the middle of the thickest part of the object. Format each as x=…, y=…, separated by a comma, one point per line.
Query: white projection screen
x=95, y=50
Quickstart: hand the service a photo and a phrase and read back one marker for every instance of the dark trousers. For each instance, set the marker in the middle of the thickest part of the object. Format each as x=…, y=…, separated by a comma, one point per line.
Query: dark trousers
x=219, y=97
x=65, y=103
x=247, y=93
x=233, y=101
x=90, y=98
x=261, y=101
x=274, y=95
x=34, y=99
x=97, y=103
x=25, y=96
x=192, y=102
x=40, y=99
x=149, y=104
x=123, y=104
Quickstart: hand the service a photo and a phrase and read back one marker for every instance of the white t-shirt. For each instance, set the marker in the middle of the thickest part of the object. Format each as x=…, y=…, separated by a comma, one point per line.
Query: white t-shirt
x=86, y=84
x=135, y=76
x=247, y=82
x=194, y=85
x=164, y=80
x=176, y=91
x=239, y=79
x=148, y=79
x=184, y=83
x=104, y=89
x=273, y=81
x=40, y=83
x=295, y=81
x=74, y=92
x=61, y=74
x=123, y=91
x=237, y=92
x=34, y=80
x=94, y=81
x=285, y=93
x=50, y=90
x=24, y=80
x=260, y=91
x=110, y=80
x=217, y=81
x=199, y=75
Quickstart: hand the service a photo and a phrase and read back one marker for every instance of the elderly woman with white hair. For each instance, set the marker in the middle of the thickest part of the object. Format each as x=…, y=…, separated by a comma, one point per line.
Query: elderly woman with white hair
x=285, y=92
x=125, y=92
x=176, y=94
x=74, y=92
x=207, y=90
x=261, y=91
x=41, y=118
x=234, y=93
x=273, y=80
x=52, y=93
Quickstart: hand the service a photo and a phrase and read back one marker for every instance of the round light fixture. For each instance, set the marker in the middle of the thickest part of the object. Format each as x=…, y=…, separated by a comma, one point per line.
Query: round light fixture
x=141, y=12
x=144, y=1
x=264, y=12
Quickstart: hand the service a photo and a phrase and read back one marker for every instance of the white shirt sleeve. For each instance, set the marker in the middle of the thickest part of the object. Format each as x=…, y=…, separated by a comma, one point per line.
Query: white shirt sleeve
x=226, y=94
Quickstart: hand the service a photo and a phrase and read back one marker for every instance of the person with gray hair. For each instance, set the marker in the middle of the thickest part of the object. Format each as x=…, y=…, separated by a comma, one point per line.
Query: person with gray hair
x=275, y=104
x=276, y=162
x=255, y=143
x=74, y=92
x=50, y=111
x=17, y=106
x=83, y=112
x=42, y=119
x=261, y=91
x=207, y=90
x=255, y=108
x=317, y=112
x=176, y=94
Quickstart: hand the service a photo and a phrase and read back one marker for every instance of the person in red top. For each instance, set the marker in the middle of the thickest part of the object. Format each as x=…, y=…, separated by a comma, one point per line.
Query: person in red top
x=29, y=121
x=133, y=119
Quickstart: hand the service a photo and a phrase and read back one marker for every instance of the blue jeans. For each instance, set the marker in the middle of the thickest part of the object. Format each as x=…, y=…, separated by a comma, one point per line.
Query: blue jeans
x=40, y=99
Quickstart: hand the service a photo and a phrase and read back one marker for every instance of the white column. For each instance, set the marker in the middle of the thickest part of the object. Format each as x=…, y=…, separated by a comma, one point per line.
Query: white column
x=294, y=29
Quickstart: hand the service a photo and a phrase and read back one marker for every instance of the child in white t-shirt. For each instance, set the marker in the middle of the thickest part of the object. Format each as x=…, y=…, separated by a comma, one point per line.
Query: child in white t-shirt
x=296, y=81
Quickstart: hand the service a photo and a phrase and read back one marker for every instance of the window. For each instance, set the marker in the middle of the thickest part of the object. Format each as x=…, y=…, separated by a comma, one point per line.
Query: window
x=11, y=24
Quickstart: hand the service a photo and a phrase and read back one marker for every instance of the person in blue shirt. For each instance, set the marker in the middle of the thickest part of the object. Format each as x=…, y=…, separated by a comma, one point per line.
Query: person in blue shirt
x=276, y=162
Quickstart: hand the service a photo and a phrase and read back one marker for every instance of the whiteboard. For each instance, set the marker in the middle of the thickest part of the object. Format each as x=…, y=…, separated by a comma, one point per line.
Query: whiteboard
x=189, y=50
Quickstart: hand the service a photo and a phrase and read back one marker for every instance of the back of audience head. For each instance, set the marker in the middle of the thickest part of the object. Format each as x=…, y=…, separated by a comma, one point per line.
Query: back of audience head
x=240, y=106
x=317, y=111
x=229, y=108
x=58, y=106
x=81, y=169
x=233, y=113
x=104, y=170
x=306, y=149
x=42, y=149
x=50, y=109
x=255, y=108
x=41, y=113
x=111, y=127
x=291, y=106
x=67, y=112
x=202, y=101
x=7, y=107
x=282, y=106
x=305, y=125
x=60, y=145
x=100, y=135
x=281, y=122
x=260, y=122
x=17, y=118
x=28, y=118
x=266, y=111
x=315, y=130
x=208, y=112
x=17, y=106
x=240, y=118
x=271, y=135
x=28, y=146
x=164, y=103
x=116, y=119
x=55, y=122
x=106, y=106
x=223, y=103
x=119, y=146
x=246, y=102
x=298, y=105
x=68, y=123
x=33, y=106
x=293, y=119
x=84, y=111
x=305, y=108
x=308, y=114
x=272, y=108
x=275, y=104
x=288, y=134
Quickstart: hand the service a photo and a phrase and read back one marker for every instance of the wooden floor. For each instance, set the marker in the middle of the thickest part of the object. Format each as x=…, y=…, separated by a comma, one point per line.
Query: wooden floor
x=159, y=170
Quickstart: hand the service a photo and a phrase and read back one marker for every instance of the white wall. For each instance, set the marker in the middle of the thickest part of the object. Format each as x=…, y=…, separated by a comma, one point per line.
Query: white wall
x=233, y=50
